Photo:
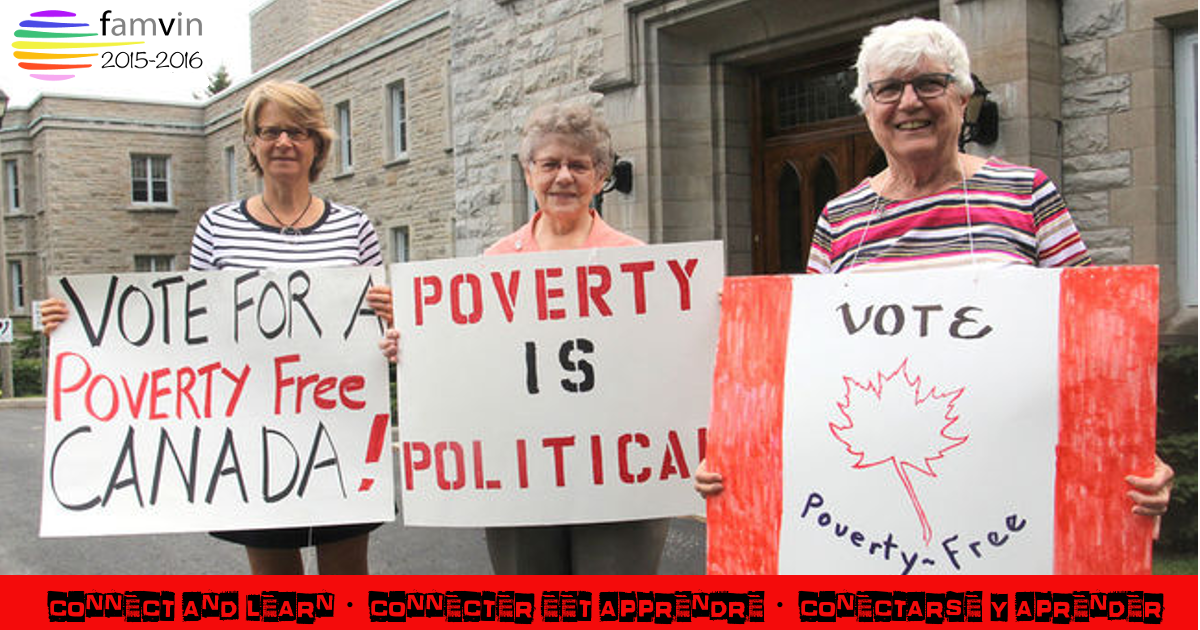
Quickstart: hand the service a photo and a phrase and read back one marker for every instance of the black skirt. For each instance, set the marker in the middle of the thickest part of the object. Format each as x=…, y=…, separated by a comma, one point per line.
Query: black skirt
x=295, y=537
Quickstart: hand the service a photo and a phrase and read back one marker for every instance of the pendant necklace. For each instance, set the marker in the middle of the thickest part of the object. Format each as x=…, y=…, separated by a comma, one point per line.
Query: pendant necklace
x=289, y=230
x=876, y=210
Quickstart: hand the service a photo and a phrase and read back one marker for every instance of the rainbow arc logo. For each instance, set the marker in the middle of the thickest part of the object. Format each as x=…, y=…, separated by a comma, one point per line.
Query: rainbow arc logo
x=44, y=33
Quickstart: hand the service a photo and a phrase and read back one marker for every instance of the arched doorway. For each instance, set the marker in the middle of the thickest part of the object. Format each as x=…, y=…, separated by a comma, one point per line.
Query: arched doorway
x=811, y=144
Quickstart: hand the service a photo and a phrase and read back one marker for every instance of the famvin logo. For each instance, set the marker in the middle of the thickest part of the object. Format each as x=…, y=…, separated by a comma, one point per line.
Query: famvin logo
x=62, y=38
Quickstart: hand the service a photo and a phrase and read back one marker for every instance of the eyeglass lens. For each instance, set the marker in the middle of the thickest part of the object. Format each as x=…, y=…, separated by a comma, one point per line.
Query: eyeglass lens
x=925, y=85
x=273, y=133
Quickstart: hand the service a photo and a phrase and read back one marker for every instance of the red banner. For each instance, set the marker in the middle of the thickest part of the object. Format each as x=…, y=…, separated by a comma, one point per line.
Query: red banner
x=229, y=602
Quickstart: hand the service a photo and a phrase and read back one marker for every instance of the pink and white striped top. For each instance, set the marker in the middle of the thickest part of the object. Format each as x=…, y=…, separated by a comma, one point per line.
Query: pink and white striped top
x=1017, y=217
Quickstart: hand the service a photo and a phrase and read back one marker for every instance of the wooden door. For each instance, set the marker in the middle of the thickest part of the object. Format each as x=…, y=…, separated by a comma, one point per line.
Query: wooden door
x=810, y=146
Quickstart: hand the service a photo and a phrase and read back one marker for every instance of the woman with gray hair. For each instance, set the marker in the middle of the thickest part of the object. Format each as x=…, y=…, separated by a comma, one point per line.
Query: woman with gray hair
x=566, y=153
x=934, y=206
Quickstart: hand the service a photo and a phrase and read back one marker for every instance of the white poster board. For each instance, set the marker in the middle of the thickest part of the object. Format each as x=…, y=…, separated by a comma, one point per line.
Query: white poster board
x=961, y=421
x=221, y=400
x=559, y=387
x=900, y=447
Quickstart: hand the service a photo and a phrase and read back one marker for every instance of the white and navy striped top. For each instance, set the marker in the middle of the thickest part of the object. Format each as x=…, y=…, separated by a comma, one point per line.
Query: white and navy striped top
x=228, y=237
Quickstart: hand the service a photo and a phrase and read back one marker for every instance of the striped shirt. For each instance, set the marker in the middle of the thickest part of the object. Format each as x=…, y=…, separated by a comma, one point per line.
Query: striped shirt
x=1015, y=215
x=228, y=237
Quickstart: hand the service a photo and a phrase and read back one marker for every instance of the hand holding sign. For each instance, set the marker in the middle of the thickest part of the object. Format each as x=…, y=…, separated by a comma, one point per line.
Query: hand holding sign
x=201, y=401
x=588, y=370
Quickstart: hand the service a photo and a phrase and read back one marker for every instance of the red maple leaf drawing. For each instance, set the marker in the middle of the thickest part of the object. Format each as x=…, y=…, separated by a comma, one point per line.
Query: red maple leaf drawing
x=892, y=421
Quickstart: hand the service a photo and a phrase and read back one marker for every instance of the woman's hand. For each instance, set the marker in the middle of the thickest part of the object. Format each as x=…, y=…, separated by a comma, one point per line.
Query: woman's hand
x=1152, y=494
x=390, y=345
x=379, y=298
x=708, y=484
x=54, y=312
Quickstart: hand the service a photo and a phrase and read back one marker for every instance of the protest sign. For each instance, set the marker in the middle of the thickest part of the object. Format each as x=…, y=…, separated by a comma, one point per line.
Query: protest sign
x=219, y=400
x=959, y=421
x=556, y=387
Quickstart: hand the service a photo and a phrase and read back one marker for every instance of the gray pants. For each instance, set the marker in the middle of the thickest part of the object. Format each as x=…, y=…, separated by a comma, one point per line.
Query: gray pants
x=620, y=548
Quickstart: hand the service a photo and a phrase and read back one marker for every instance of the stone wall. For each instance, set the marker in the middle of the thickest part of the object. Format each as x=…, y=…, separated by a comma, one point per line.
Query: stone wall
x=282, y=26
x=1118, y=125
x=87, y=221
x=508, y=57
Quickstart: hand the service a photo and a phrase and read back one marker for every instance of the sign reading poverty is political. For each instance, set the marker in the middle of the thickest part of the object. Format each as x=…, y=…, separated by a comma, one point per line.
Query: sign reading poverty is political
x=220, y=400
x=959, y=421
x=556, y=387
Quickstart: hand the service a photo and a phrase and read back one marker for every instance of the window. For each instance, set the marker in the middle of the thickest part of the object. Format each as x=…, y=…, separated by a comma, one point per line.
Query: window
x=524, y=203
x=16, y=284
x=397, y=121
x=345, y=149
x=151, y=175
x=12, y=185
x=1185, y=163
x=448, y=112
x=231, y=173
x=153, y=262
x=400, y=244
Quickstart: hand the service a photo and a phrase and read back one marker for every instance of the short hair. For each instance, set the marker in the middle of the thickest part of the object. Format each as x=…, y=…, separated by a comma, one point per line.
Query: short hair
x=300, y=103
x=578, y=124
x=901, y=44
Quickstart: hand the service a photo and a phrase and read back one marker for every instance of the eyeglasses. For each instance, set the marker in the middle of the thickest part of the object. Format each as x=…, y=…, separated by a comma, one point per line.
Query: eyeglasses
x=271, y=134
x=932, y=85
x=551, y=167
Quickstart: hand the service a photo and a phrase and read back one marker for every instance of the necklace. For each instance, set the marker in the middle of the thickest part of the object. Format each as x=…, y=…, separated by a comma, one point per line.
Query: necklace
x=875, y=210
x=289, y=230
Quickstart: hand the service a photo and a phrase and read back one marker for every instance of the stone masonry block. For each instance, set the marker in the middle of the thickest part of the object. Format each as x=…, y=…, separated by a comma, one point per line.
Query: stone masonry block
x=1083, y=61
x=1085, y=135
x=1096, y=96
x=1098, y=161
x=1083, y=20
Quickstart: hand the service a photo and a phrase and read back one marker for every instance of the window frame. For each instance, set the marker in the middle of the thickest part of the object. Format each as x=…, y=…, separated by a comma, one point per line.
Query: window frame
x=16, y=286
x=153, y=261
x=149, y=159
x=400, y=244
x=1185, y=43
x=397, y=130
x=12, y=186
x=345, y=139
x=231, y=172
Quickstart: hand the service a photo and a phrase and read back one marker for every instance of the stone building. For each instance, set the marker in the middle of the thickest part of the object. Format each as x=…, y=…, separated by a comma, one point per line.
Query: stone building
x=733, y=114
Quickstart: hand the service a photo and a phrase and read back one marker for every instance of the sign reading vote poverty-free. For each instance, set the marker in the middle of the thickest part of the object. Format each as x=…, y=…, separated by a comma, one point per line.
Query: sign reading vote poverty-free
x=556, y=387
x=960, y=421
x=220, y=400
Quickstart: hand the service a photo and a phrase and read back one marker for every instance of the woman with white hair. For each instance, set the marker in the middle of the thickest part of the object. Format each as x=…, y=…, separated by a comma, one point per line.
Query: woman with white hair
x=935, y=206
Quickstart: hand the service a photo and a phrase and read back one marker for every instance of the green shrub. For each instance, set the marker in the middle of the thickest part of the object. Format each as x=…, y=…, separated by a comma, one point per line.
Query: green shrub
x=1177, y=443
x=27, y=377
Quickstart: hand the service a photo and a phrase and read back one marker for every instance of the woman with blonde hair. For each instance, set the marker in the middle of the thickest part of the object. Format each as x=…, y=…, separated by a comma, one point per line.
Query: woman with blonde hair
x=288, y=139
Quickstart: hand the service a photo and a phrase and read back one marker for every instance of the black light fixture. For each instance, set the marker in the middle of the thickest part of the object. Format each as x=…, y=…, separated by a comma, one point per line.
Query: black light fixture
x=981, y=120
x=621, y=178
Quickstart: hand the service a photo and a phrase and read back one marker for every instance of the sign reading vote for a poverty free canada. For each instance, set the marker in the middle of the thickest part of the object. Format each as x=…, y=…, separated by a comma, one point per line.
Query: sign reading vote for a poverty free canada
x=201, y=401
x=960, y=421
x=556, y=387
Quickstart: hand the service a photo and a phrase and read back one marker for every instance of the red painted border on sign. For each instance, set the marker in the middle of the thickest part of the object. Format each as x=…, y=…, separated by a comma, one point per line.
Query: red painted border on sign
x=743, y=532
x=1108, y=349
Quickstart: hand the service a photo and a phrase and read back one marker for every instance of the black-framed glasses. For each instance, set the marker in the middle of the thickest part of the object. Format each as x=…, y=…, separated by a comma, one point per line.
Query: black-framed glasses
x=271, y=134
x=931, y=85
